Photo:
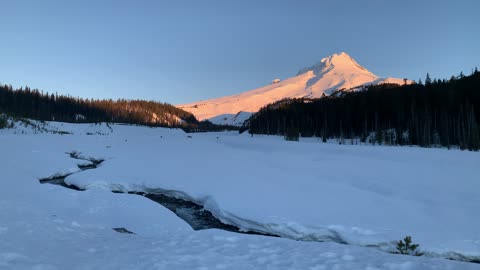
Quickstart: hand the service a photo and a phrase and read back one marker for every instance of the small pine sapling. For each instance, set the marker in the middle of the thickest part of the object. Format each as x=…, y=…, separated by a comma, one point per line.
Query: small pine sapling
x=406, y=247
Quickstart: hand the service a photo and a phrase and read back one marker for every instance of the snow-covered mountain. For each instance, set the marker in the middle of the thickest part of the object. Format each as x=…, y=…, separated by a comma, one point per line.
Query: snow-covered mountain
x=333, y=73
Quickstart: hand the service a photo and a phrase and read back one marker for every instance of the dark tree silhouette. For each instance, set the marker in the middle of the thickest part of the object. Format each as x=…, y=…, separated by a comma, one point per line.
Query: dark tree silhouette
x=34, y=104
x=428, y=80
x=442, y=113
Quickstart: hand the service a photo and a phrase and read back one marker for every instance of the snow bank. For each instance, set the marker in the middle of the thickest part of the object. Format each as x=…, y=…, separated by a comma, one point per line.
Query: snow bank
x=366, y=194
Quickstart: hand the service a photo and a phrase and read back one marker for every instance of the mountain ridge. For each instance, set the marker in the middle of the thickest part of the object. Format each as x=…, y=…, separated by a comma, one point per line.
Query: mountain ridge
x=337, y=72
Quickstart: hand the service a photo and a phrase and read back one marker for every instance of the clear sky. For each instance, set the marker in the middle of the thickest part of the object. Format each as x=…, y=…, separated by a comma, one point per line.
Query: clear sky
x=184, y=51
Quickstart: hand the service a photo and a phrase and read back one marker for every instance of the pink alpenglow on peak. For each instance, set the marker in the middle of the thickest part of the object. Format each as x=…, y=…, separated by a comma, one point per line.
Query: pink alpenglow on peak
x=341, y=61
x=338, y=72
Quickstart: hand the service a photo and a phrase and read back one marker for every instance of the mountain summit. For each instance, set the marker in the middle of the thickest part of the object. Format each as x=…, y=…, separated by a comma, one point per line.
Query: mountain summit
x=338, y=72
x=339, y=61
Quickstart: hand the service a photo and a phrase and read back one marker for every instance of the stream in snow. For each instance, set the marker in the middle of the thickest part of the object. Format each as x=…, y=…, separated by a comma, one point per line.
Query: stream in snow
x=193, y=213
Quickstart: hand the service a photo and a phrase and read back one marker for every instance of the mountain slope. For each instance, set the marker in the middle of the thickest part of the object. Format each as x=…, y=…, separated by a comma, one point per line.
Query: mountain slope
x=336, y=72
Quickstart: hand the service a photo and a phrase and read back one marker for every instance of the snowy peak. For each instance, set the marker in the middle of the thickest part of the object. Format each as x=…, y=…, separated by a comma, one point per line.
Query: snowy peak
x=340, y=61
x=338, y=72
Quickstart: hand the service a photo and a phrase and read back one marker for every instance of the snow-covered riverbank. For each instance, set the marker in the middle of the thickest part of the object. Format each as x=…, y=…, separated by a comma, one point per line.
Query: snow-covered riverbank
x=308, y=190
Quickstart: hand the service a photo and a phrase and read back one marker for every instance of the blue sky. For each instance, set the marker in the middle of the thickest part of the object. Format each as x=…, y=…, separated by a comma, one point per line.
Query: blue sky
x=184, y=51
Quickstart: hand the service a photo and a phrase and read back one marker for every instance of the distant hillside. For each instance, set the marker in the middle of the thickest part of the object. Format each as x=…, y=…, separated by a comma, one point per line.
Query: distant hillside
x=437, y=113
x=35, y=104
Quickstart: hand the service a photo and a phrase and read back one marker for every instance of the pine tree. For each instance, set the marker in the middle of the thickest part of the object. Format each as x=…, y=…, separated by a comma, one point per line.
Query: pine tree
x=428, y=80
x=292, y=134
x=3, y=122
x=406, y=247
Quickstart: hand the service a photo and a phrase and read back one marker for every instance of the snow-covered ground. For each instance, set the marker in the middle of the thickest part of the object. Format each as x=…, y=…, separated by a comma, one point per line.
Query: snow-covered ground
x=307, y=191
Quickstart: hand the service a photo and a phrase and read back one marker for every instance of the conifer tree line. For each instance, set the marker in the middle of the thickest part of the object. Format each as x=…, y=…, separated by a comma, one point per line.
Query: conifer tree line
x=34, y=104
x=437, y=113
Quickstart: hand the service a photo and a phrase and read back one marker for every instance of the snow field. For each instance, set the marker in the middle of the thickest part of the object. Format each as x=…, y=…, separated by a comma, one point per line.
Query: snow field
x=366, y=194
